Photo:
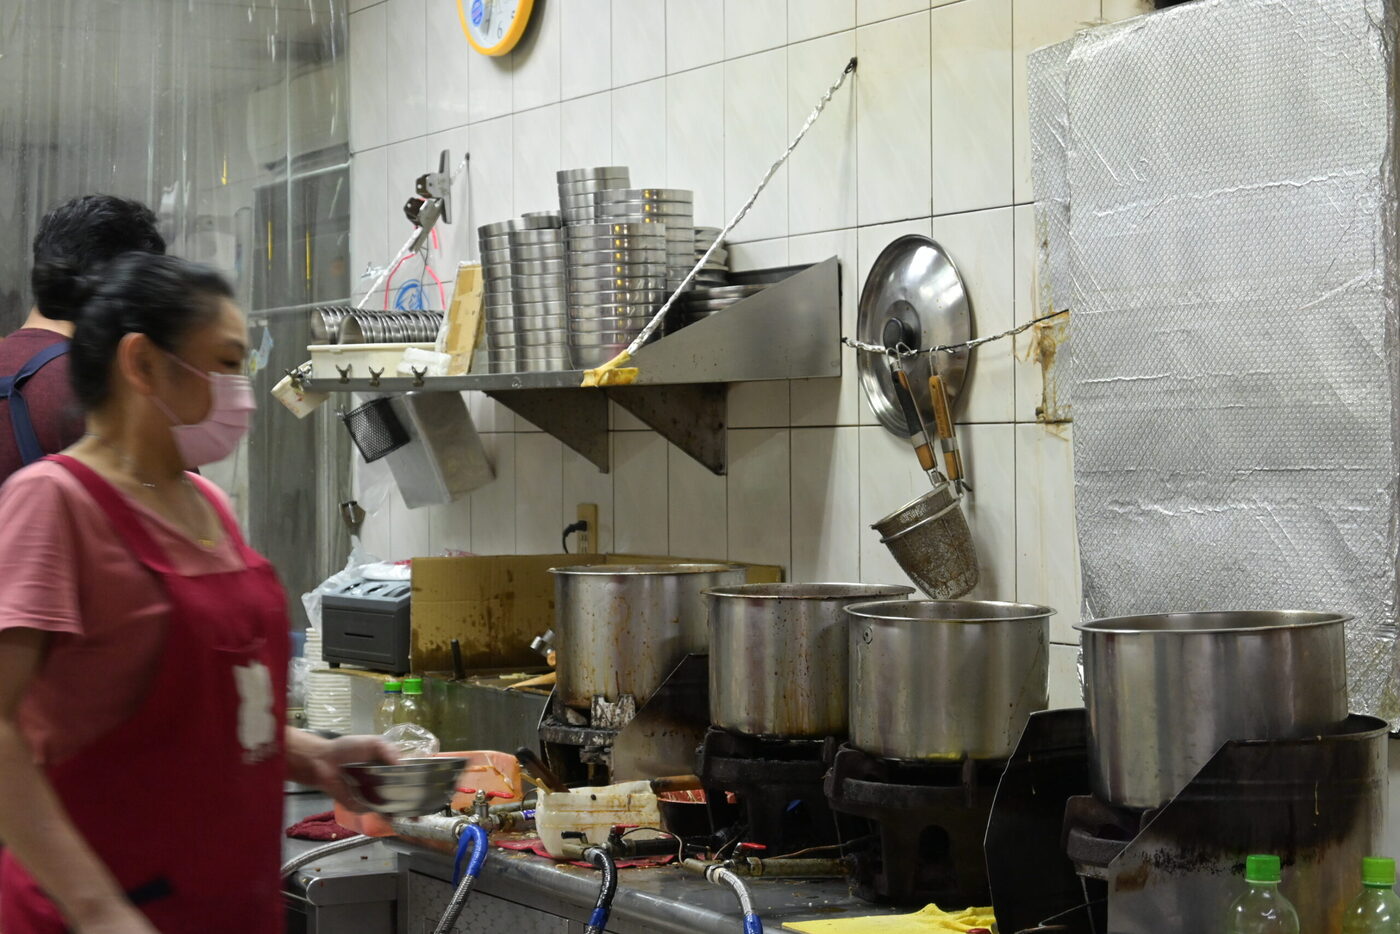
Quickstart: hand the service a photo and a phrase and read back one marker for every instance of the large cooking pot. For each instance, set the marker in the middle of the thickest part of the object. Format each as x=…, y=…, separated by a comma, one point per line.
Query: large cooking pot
x=946, y=679
x=621, y=628
x=1164, y=692
x=778, y=656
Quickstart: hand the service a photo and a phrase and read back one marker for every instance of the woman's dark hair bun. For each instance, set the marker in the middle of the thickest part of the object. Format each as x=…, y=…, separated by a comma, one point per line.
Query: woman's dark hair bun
x=162, y=297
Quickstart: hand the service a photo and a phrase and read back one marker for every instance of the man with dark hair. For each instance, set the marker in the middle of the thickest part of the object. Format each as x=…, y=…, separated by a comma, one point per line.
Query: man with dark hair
x=38, y=414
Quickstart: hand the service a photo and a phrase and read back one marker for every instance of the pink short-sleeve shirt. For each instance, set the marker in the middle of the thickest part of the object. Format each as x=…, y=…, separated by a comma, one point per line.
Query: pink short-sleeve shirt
x=64, y=571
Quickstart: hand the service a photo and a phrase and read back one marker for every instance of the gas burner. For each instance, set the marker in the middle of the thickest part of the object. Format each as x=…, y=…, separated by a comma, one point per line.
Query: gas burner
x=578, y=746
x=777, y=783
x=923, y=822
x=1096, y=832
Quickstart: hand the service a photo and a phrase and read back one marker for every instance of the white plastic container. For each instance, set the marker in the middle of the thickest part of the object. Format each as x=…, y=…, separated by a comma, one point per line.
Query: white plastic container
x=360, y=358
x=593, y=812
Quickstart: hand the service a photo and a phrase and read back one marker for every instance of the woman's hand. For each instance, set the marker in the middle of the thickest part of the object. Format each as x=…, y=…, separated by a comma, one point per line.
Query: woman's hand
x=118, y=918
x=314, y=761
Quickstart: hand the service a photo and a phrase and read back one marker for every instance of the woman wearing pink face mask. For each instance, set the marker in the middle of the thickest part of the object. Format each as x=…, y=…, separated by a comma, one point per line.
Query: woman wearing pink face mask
x=143, y=645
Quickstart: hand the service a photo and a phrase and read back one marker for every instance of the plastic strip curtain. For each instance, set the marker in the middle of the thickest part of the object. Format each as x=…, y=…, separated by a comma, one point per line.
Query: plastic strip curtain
x=228, y=117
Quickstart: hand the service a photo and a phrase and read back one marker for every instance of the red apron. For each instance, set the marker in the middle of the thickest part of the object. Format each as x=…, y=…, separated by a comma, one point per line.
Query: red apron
x=183, y=801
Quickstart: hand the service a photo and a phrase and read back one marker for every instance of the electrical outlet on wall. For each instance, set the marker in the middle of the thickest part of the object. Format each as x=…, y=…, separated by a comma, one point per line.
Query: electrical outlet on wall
x=588, y=539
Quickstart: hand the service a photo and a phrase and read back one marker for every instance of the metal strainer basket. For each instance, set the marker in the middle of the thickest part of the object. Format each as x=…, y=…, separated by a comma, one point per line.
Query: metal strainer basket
x=375, y=429
x=931, y=541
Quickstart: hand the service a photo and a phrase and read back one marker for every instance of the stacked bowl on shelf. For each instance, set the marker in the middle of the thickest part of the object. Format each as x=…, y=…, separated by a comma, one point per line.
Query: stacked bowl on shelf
x=538, y=287
x=617, y=278
x=672, y=209
x=699, y=304
x=716, y=271
x=577, y=188
x=498, y=295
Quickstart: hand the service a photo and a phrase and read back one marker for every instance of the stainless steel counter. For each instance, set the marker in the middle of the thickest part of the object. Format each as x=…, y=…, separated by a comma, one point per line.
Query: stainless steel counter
x=525, y=894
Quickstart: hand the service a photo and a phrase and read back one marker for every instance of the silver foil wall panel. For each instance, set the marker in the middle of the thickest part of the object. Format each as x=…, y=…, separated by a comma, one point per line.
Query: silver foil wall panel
x=1230, y=260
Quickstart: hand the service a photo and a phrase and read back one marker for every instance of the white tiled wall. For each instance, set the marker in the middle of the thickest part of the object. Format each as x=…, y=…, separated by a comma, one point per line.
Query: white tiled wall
x=929, y=137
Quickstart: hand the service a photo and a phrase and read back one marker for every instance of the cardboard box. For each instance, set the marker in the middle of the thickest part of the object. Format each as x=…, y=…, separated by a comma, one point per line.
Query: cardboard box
x=465, y=322
x=496, y=604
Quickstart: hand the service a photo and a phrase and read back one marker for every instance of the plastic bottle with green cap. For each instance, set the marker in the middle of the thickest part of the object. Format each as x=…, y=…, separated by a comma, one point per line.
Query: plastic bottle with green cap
x=1377, y=909
x=388, y=706
x=1262, y=909
x=411, y=708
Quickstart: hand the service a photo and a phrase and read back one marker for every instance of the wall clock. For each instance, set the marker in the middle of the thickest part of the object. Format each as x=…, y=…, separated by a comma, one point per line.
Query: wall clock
x=493, y=27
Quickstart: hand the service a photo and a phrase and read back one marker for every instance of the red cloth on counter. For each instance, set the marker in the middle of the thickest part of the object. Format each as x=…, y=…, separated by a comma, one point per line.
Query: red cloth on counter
x=319, y=827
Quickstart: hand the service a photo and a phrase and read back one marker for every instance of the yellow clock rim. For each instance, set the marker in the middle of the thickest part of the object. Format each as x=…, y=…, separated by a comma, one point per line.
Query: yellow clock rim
x=517, y=29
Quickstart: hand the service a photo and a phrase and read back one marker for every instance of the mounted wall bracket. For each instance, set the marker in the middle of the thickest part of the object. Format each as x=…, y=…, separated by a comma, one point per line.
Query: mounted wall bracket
x=790, y=330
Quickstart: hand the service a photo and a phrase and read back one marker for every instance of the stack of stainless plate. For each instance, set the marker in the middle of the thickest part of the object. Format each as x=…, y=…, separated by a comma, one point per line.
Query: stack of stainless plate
x=671, y=208
x=498, y=295
x=698, y=304
x=389, y=327
x=578, y=186
x=617, y=278
x=716, y=271
x=538, y=284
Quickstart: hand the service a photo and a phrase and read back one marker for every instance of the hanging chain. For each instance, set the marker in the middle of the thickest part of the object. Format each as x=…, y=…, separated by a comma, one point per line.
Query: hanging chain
x=903, y=351
x=660, y=316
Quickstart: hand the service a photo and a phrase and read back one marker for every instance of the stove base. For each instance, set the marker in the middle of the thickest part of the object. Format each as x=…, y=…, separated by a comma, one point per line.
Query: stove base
x=922, y=825
x=778, y=787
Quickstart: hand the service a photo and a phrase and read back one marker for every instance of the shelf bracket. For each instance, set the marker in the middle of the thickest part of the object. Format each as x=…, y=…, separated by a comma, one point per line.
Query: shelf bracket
x=577, y=417
x=692, y=416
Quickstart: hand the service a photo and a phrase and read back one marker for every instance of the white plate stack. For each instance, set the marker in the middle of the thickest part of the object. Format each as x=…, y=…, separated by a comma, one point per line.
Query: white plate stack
x=539, y=287
x=327, y=691
x=497, y=295
x=671, y=208
x=617, y=279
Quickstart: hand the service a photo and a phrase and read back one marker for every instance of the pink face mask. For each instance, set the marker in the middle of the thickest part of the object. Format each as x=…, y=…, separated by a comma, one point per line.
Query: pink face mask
x=231, y=407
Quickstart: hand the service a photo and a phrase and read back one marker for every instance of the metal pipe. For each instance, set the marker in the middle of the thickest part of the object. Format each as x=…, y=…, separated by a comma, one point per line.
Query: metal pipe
x=310, y=856
x=436, y=828
x=600, y=858
x=718, y=875
x=791, y=868
x=478, y=838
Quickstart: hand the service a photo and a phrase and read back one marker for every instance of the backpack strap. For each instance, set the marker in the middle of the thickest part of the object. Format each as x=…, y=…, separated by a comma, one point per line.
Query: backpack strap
x=26, y=438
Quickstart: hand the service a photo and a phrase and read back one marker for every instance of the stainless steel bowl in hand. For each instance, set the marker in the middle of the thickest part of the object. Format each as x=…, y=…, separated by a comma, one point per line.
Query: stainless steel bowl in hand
x=410, y=788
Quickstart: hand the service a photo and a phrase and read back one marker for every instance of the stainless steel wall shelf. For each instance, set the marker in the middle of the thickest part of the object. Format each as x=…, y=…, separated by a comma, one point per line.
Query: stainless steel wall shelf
x=790, y=330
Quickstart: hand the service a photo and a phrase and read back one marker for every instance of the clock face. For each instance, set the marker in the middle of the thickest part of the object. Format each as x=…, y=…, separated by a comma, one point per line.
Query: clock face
x=493, y=27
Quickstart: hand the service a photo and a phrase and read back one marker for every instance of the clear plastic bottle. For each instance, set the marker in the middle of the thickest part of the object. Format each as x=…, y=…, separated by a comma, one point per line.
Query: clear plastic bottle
x=1262, y=909
x=388, y=706
x=1377, y=909
x=412, y=707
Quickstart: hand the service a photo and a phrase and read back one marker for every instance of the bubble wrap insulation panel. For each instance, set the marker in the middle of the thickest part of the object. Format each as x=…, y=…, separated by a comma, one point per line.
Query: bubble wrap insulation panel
x=1231, y=268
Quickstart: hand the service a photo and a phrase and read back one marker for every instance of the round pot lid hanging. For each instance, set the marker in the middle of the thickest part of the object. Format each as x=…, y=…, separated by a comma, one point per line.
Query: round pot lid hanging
x=914, y=282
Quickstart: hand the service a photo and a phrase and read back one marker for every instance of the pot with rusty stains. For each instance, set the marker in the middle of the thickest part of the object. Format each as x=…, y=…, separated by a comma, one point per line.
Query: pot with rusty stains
x=622, y=628
x=946, y=679
x=778, y=656
x=1165, y=691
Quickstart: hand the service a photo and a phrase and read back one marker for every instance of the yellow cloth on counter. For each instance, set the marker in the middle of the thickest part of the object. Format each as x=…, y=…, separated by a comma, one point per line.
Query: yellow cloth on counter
x=926, y=921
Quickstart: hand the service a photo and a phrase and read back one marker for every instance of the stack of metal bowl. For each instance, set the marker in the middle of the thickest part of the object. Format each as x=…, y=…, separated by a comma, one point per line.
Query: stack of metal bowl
x=617, y=278
x=539, y=289
x=578, y=186
x=716, y=271
x=389, y=327
x=498, y=295
x=670, y=208
x=699, y=304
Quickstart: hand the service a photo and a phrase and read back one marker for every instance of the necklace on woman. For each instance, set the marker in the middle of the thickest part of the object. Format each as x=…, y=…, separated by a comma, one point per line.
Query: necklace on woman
x=127, y=463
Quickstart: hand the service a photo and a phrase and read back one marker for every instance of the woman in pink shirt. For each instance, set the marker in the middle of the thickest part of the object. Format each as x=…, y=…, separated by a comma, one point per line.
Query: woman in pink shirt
x=143, y=645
